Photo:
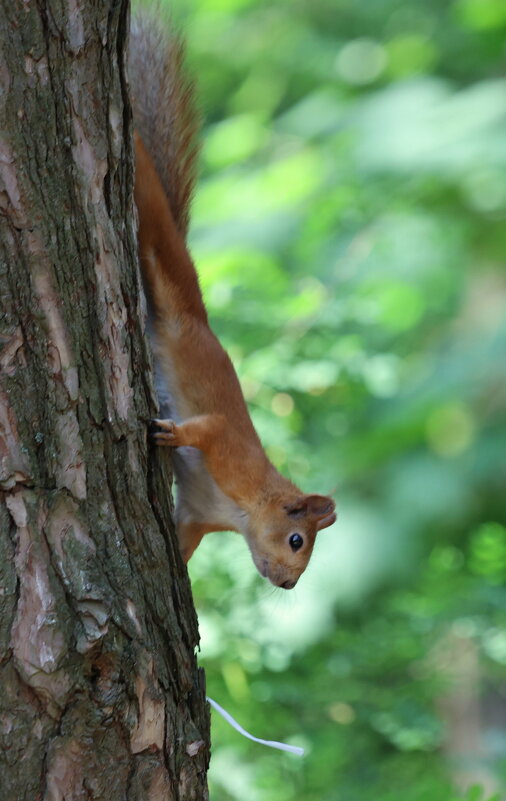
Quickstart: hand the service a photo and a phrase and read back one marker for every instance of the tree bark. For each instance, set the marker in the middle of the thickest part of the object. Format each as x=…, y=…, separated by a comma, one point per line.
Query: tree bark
x=100, y=696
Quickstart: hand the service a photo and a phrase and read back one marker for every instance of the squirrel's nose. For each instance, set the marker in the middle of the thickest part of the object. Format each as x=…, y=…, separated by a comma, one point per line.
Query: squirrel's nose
x=288, y=585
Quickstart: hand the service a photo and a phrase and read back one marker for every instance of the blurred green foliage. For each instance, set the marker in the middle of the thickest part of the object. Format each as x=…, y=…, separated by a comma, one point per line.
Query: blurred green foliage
x=349, y=227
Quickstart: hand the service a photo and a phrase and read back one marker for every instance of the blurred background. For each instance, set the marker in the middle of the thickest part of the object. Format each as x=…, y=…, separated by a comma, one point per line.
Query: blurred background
x=350, y=231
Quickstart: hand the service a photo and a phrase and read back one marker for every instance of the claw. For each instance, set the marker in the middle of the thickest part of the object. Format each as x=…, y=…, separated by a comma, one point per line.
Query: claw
x=167, y=425
x=167, y=435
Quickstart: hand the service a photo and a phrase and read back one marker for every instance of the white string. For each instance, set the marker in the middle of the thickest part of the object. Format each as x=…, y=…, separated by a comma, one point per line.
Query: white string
x=293, y=749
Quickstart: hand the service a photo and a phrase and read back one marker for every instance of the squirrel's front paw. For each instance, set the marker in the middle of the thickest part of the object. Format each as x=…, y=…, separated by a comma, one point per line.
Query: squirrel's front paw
x=168, y=435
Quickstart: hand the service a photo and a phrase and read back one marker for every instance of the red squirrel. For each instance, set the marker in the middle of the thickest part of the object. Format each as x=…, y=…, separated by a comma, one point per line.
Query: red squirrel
x=224, y=479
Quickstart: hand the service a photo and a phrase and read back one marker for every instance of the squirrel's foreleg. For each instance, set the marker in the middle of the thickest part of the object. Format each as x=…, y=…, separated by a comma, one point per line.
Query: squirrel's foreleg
x=190, y=536
x=198, y=432
x=237, y=471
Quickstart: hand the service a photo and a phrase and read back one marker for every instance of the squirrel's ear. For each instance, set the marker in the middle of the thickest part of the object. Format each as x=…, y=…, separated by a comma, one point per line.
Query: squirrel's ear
x=326, y=521
x=297, y=508
x=319, y=505
x=322, y=509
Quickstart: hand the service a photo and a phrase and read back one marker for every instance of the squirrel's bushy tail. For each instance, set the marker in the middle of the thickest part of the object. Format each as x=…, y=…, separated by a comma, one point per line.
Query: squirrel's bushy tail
x=164, y=108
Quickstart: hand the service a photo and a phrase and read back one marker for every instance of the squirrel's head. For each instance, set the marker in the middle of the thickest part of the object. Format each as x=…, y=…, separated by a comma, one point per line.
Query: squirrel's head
x=281, y=535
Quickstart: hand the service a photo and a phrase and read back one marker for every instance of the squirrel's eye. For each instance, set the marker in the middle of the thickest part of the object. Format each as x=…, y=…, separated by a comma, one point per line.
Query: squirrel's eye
x=296, y=542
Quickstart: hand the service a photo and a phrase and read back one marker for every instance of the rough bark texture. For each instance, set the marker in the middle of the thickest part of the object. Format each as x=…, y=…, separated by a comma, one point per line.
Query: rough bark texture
x=100, y=696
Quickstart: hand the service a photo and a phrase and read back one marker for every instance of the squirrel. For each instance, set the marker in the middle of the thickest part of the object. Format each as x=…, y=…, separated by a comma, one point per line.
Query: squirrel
x=225, y=481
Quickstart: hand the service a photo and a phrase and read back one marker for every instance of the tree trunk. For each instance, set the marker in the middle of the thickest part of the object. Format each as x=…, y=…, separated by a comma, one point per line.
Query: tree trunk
x=100, y=696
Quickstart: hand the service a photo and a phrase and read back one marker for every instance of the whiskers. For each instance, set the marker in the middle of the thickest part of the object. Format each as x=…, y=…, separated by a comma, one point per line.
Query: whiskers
x=269, y=591
x=279, y=599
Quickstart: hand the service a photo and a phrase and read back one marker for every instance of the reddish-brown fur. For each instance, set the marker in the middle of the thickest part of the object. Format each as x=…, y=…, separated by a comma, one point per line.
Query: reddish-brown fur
x=212, y=411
